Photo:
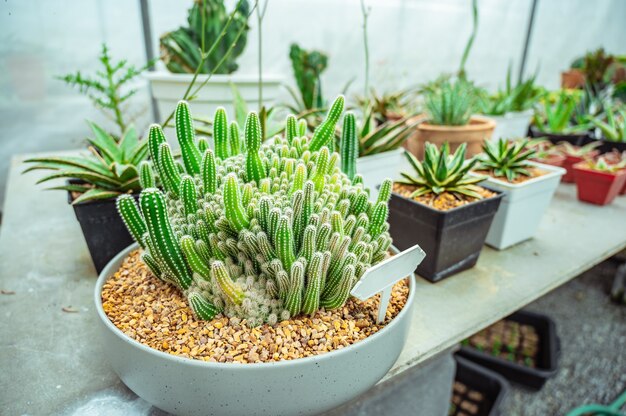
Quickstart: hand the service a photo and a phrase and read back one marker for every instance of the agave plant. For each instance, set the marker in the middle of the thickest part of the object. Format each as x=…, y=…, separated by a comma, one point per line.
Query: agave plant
x=560, y=117
x=506, y=158
x=441, y=172
x=451, y=103
x=613, y=126
x=601, y=164
x=183, y=50
x=111, y=169
x=585, y=151
x=258, y=231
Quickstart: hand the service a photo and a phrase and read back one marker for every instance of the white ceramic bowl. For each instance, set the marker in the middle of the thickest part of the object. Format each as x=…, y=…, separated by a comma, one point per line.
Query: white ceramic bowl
x=305, y=386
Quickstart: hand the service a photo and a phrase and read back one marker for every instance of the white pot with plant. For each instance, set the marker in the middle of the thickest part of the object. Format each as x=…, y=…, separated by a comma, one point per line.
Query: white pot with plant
x=528, y=188
x=199, y=62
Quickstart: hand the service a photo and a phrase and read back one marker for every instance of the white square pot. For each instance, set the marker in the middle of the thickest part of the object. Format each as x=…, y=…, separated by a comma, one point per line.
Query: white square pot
x=512, y=125
x=378, y=167
x=522, y=207
x=169, y=88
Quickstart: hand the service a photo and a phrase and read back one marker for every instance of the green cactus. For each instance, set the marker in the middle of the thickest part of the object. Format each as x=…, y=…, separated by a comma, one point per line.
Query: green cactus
x=324, y=134
x=349, y=146
x=307, y=70
x=263, y=235
x=220, y=134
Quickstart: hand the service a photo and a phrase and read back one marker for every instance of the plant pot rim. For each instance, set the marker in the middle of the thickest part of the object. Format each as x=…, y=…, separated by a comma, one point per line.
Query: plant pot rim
x=106, y=274
x=480, y=123
x=538, y=133
x=499, y=194
x=164, y=75
x=552, y=172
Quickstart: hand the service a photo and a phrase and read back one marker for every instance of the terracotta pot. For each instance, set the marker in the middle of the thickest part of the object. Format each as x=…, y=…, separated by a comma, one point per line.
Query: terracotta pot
x=597, y=187
x=552, y=160
x=569, y=163
x=474, y=134
x=572, y=78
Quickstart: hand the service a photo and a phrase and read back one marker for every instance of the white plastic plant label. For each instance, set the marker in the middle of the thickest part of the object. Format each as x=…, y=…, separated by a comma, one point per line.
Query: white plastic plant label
x=382, y=277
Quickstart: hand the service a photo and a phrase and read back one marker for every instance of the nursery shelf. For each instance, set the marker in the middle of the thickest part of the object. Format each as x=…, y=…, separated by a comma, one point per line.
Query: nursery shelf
x=48, y=328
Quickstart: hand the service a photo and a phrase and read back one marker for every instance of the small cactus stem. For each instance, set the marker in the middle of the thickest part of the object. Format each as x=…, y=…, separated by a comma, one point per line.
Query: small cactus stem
x=348, y=226
x=298, y=223
x=194, y=259
x=378, y=219
x=201, y=306
x=324, y=134
x=220, y=134
x=362, y=220
x=336, y=222
x=247, y=194
x=265, y=247
x=265, y=186
x=215, y=249
x=272, y=225
x=299, y=178
x=265, y=206
x=349, y=146
x=203, y=145
x=302, y=128
x=162, y=237
x=231, y=290
x=341, y=292
x=234, y=139
x=204, y=251
x=384, y=192
x=282, y=278
x=169, y=174
x=358, y=179
x=210, y=219
x=146, y=176
x=360, y=204
x=323, y=236
x=343, y=207
x=188, y=195
x=284, y=242
x=128, y=210
x=155, y=139
x=293, y=300
x=209, y=172
x=234, y=211
x=308, y=243
x=315, y=278
x=152, y=264
x=319, y=178
x=291, y=128
x=186, y=139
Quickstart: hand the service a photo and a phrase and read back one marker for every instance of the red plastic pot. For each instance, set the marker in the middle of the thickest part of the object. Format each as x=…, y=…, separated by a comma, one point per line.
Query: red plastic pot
x=570, y=161
x=598, y=187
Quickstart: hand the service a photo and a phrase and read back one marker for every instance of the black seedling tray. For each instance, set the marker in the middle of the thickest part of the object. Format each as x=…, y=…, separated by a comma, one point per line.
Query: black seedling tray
x=547, y=357
x=484, y=390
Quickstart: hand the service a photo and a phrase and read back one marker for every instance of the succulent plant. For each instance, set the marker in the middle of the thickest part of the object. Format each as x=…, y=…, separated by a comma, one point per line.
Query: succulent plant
x=451, y=103
x=182, y=49
x=512, y=98
x=560, y=116
x=585, y=151
x=603, y=165
x=441, y=172
x=307, y=70
x=612, y=125
x=264, y=234
x=506, y=158
x=113, y=168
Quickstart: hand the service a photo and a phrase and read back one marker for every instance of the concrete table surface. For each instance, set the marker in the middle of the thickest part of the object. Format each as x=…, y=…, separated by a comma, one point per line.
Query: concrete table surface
x=52, y=363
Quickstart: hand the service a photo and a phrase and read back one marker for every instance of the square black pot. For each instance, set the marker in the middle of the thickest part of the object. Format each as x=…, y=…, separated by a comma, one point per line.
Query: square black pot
x=103, y=229
x=451, y=239
x=608, y=146
x=575, y=139
x=547, y=360
x=492, y=386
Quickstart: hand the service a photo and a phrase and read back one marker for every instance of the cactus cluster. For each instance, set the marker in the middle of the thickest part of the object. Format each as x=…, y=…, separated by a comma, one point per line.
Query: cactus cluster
x=258, y=231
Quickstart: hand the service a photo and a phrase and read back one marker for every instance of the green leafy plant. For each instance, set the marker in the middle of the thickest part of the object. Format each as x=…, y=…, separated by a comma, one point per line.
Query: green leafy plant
x=516, y=98
x=113, y=168
x=506, y=158
x=441, y=172
x=307, y=70
x=601, y=69
x=377, y=136
x=450, y=104
x=107, y=89
x=559, y=116
x=613, y=125
x=207, y=21
x=258, y=231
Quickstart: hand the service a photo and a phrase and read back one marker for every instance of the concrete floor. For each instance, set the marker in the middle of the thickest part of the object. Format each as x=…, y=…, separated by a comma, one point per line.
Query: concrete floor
x=592, y=368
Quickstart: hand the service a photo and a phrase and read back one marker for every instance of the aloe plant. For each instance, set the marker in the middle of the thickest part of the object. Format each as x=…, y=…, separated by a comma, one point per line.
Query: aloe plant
x=559, y=117
x=208, y=22
x=264, y=234
x=506, y=158
x=516, y=98
x=111, y=169
x=613, y=125
x=450, y=104
x=441, y=172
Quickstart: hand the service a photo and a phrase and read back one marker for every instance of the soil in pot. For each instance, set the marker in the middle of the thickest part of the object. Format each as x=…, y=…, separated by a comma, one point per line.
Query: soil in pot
x=474, y=133
x=598, y=187
x=476, y=391
x=576, y=139
x=451, y=230
x=103, y=229
x=154, y=313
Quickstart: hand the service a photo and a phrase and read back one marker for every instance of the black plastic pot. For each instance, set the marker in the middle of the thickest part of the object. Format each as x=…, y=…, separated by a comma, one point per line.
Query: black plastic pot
x=451, y=239
x=576, y=139
x=547, y=360
x=103, y=229
x=608, y=146
x=491, y=386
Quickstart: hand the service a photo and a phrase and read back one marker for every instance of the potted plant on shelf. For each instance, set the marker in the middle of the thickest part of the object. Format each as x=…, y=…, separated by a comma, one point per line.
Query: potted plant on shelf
x=558, y=121
x=612, y=128
x=575, y=154
x=527, y=186
x=249, y=261
x=512, y=108
x=598, y=181
x=616, y=158
x=205, y=52
x=449, y=119
x=441, y=207
x=545, y=152
x=113, y=167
